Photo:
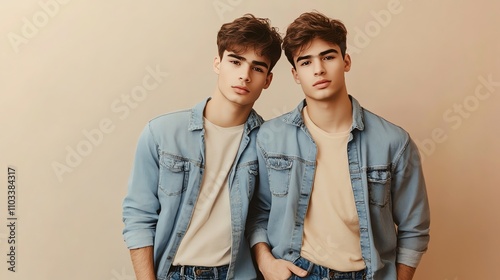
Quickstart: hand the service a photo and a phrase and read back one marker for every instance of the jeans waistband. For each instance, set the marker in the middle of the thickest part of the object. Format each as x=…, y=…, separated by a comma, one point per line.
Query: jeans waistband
x=206, y=271
x=325, y=272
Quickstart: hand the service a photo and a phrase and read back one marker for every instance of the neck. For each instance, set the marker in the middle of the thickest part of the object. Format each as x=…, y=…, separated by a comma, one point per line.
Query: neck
x=221, y=112
x=333, y=115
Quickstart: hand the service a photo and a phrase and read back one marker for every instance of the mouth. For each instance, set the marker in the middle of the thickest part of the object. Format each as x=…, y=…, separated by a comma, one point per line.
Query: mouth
x=322, y=83
x=241, y=89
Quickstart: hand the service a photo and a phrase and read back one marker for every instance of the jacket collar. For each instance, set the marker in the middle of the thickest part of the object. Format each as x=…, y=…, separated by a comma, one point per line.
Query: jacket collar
x=295, y=117
x=254, y=120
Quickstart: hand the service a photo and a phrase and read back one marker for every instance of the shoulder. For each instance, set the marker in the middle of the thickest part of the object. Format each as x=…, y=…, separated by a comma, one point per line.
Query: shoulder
x=171, y=120
x=279, y=122
x=378, y=128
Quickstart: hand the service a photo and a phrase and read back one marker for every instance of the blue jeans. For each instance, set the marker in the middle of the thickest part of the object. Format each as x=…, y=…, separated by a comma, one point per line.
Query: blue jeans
x=318, y=272
x=197, y=272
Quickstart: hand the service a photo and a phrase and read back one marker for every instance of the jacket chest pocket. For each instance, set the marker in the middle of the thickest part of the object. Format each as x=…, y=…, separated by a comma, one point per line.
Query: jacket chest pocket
x=279, y=171
x=174, y=172
x=379, y=186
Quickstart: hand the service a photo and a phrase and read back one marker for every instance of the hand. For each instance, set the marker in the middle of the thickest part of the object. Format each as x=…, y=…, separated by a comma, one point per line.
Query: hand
x=272, y=268
x=278, y=269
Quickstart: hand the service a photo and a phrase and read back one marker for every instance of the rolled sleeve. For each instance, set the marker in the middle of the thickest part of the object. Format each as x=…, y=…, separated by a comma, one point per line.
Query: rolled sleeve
x=410, y=206
x=257, y=236
x=141, y=205
x=139, y=238
x=258, y=214
x=409, y=257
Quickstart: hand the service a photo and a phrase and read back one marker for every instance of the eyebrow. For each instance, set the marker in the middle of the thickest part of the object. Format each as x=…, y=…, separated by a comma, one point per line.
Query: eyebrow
x=320, y=54
x=254, y=62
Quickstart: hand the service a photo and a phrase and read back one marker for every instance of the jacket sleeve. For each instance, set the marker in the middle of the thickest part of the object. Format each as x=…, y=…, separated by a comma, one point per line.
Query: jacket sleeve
x=141, y=204
x=258, y=213
x=410, y=205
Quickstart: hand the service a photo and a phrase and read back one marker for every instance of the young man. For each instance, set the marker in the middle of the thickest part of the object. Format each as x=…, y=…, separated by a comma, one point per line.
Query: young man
x=341, y=193
x=195, y=170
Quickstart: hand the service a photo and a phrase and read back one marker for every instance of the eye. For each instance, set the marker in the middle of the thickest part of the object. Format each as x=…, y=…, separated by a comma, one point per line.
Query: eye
x=305, y=63
x=258, y=69
x=235, y=62
x=329, y=57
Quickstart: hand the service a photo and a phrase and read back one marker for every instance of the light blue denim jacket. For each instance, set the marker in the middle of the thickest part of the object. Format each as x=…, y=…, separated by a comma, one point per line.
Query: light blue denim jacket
x=387, y=182
x=165, y=184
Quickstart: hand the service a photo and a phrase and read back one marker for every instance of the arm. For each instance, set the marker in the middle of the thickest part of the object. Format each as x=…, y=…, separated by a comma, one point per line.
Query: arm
x=142, y=260
x=410, y=207
x=260, y=205
x=405, y=272
x=258, y=217
x=141, y=205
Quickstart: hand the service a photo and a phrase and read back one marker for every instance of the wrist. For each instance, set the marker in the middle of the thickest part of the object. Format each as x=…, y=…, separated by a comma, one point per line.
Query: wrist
x=262, y=253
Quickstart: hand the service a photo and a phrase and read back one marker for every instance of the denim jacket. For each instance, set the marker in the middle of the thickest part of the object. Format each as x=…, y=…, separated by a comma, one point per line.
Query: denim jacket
x=387, y=182
x=165, y=184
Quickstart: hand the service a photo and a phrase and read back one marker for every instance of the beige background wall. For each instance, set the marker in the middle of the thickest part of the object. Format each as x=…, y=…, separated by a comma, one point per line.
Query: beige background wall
x=73, y=97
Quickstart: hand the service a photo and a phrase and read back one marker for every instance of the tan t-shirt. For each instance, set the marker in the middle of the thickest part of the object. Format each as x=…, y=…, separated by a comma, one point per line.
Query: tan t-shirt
x=207, y=241
x=331, y=227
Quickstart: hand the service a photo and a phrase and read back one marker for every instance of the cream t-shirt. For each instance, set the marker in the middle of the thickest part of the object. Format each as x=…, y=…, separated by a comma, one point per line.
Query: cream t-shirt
x=207, y=241
x=331, y=227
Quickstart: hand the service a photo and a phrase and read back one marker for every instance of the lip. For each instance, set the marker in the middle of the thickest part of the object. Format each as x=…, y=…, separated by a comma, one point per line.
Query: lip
x=241, y=89
x=322, y=83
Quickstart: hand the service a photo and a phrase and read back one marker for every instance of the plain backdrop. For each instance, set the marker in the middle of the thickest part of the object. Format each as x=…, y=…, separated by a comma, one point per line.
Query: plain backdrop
x=80, y=79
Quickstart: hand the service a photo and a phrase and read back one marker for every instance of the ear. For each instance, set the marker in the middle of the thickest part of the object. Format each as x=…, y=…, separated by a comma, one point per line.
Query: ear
x=269, y=79
x=217, y=65
x=295, y=76
x=347, y=62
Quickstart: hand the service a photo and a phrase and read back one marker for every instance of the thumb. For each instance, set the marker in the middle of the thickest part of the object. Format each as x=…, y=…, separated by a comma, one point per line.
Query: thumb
x=297, y=270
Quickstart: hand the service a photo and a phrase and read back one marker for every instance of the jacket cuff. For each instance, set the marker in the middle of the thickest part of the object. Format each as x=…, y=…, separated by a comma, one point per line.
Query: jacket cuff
x=259, y=235
x=139, y=239
x=409, y=257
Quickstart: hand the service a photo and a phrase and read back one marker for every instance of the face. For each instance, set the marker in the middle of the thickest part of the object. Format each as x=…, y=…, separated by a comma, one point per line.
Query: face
x=320, y=69
x=242, y=76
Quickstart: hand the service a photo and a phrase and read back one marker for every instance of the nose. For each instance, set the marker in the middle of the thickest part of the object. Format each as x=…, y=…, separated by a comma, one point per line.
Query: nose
x=245, y=74
x=319, y=69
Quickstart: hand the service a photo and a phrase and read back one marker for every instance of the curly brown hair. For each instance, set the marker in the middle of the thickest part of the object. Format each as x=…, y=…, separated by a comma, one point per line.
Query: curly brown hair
x=250, y=32
x=309, y=26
